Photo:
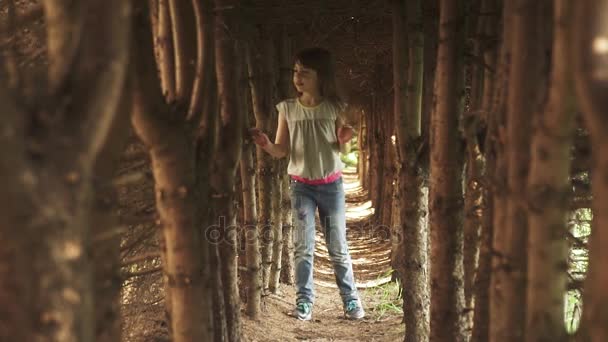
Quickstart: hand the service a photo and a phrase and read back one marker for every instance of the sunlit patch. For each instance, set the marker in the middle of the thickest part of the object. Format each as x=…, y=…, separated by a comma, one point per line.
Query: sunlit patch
x=71, y=250
x=359, y=211
x=600, y=45
x=71, y=295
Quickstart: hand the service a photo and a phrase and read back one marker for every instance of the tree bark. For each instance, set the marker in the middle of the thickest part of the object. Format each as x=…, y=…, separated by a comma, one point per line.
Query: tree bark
x=447, y=296
x=548, y=194
x=410, y=255
x=497, y=325
x=226, y=160
x=253, y=278
x=590, y=70
x=474, y=166
x=287, y=261
x=170, y=139
x=47, y=293
x=489, y=29
x=521, y=106
x=259, y=64
x=277, y=233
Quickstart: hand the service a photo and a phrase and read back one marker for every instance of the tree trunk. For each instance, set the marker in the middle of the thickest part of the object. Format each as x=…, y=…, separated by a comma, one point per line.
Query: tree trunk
x=489, y=29
x=106, y=253
x=253, y=278
x=498, y=326
x=472, y=206
x=46, y=271
x=362, y=142
x=410, y=258
x=548, y=194
x=227, y=159
x=176, y=187
x=288, y=267
x=590, y=70
x=388, y=171
x=378, y=160
x=447, y=297
x=521, y=106
x=430, y=26
x=259, y=64
x=473, y=125
x=277, y=233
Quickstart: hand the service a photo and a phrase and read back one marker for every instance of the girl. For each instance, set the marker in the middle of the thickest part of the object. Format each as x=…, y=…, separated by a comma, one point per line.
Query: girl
x=311, y=132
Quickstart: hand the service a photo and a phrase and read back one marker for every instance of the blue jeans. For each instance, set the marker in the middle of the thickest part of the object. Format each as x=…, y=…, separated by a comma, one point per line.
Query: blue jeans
x=329, y=199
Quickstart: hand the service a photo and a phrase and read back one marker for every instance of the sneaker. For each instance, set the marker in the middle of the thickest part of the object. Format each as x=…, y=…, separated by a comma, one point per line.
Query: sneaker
x=353, y=310
x=303, y=311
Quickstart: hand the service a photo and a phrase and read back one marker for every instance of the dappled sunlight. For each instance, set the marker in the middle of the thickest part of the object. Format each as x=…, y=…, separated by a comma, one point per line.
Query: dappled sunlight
x=359, y=211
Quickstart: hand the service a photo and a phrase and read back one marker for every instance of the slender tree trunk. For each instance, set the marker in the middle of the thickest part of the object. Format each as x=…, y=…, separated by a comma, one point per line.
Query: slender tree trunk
x=548, y=194
x=410, y=257
x=227, y=159
x=473, y=125
x=430, y=26
x=497, y=325
x=253, y=278
x=164, y=50
x=259, y=63
x=590, y=70
x=489, y=50
x=447, y=297
x=388, y=171
x=288, y=267
x=363, y=147
x=521, y=102
x=377, y=183
x=106, y=251
x=277, y=232
x=472, y=206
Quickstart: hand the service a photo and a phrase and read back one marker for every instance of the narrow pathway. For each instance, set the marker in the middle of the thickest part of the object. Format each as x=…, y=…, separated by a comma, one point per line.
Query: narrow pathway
x=370, y=250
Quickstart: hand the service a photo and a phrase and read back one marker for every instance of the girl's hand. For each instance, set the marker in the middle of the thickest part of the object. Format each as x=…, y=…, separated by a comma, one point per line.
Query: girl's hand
x=259, y=138
x=345, y=133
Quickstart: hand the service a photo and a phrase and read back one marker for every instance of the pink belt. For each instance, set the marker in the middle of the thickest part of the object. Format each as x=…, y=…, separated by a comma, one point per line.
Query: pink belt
x=329, y=179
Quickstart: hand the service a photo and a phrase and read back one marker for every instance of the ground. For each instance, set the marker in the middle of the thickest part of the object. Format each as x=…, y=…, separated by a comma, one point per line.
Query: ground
x=328, y=323
x=370, y=251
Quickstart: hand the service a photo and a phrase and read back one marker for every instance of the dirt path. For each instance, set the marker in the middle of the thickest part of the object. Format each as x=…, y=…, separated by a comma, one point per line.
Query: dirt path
x=370, y=250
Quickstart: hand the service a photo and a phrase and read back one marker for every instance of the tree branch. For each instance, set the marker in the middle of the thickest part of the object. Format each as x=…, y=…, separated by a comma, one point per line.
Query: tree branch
x=8, y=28
x=64, y=22
x=103, y=70
x=184, y=52
x=163, y=43
x=205, y=62
x=149, y=108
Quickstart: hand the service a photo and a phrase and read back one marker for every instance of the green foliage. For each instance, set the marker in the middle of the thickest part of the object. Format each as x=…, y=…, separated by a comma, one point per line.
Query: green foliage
x=387, y=298
x=580, y=229
x=573, y=310
x=351, y=159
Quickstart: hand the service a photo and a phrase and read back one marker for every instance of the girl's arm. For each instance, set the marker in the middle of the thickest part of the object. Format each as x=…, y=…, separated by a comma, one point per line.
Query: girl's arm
x=344, y=133
x=280, y=148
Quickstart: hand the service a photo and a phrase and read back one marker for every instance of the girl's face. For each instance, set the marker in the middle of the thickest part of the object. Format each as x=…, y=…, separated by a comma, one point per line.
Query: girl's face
x=305, y=79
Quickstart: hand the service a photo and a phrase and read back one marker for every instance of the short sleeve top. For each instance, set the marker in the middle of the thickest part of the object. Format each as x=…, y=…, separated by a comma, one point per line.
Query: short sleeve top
x=314, y=149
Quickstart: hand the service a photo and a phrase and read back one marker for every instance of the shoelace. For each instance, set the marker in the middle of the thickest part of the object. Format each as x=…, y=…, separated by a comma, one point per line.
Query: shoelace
x=352, y=305
x=303, y=307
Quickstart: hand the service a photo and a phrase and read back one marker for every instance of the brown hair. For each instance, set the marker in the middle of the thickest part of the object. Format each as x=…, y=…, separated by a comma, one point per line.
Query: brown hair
x=320, y=60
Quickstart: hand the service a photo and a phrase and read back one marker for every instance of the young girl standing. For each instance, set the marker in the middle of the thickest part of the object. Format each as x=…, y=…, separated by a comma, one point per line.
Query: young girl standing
x=312, y=132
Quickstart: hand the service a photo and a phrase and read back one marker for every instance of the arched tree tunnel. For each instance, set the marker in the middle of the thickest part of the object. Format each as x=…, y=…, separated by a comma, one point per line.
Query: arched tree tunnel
x=136, y=207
